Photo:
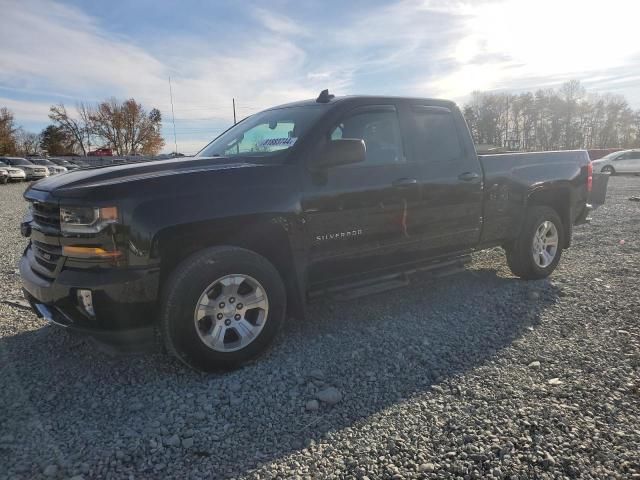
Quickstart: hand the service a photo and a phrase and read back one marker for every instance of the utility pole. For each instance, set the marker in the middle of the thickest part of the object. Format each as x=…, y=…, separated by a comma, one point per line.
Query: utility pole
x=173, y=118
x=234, y=111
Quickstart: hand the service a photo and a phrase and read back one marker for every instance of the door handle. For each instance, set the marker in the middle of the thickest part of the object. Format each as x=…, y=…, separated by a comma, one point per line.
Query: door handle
x=404, y=182
x=468, y=176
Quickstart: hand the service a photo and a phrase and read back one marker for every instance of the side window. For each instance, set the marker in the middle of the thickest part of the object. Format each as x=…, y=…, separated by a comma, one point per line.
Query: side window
x=634, y=155
x=623, y=156
x=436, y=138
x=380, y=131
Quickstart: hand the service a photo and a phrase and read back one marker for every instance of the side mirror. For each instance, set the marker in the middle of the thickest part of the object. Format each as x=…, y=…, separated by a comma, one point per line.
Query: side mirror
x=340, y=152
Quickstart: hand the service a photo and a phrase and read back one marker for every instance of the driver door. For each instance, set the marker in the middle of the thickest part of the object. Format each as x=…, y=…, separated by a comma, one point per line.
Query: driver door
x=355, y=215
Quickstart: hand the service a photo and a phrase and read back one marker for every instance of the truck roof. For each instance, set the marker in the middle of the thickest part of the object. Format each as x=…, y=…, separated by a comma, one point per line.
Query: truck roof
x=369, y=99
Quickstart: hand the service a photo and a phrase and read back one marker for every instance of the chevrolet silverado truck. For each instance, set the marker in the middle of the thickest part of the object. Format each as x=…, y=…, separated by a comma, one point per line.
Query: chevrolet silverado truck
x=326, y=196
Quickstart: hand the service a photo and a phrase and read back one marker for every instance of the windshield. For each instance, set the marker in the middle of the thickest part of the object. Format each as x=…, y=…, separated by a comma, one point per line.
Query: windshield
x=43, y=162
x=264, y=133
x=19, y=161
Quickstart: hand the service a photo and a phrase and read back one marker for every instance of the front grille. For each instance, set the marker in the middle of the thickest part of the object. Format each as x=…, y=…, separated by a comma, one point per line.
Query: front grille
x=46, y=215
x=47, y=255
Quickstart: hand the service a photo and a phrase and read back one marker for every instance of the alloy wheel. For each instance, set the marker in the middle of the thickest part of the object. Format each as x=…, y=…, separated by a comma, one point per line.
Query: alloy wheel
x=545, y=244
x=231, y=312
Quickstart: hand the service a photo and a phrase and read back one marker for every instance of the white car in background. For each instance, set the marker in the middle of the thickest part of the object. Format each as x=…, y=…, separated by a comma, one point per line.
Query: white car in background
x=52, y=167
x=32, y=172
x=624, y=161
x=15, y=174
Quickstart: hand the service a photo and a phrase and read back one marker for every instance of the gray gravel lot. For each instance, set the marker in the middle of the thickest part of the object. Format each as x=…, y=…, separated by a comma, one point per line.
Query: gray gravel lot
x=477, y=375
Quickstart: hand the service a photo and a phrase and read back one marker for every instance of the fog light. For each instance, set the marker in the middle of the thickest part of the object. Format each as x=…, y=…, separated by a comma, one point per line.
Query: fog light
x=85, y=300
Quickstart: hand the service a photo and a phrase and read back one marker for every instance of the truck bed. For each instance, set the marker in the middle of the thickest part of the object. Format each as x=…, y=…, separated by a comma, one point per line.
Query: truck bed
x=509, y=178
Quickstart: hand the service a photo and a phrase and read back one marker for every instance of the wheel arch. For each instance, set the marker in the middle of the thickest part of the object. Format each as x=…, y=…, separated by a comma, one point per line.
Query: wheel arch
x=559, y=199
x=268, y=237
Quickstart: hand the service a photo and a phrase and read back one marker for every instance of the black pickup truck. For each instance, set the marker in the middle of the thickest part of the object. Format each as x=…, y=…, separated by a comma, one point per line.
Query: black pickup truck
x=317, y=196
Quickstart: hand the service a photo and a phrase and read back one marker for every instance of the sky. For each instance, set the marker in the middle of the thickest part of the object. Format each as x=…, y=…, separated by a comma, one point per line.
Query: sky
x=268, y=53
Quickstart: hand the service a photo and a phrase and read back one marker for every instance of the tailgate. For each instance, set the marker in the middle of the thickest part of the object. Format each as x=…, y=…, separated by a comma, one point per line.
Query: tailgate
x=599, y=189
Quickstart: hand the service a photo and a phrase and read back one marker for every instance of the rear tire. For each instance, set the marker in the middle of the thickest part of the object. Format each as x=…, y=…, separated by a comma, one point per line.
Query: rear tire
x=532, y=255
x=195, y=326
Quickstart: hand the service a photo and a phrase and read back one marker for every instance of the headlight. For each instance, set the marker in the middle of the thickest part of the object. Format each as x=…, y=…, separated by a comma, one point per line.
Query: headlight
x=86, y=219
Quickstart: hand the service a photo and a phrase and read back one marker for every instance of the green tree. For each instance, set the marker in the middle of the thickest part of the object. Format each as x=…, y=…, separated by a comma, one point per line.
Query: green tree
x=56, y=141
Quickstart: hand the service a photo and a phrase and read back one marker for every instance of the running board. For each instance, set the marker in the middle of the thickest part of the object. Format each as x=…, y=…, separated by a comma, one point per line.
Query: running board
x=373, y=288
x=353, y=290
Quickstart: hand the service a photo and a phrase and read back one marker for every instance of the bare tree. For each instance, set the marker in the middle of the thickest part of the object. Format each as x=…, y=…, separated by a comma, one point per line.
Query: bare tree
x=78, y=128
x=127, y=127
x=553, y=119
x=27, y=143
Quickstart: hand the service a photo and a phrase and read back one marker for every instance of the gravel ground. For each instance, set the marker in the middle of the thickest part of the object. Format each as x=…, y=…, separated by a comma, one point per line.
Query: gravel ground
x=477, y=375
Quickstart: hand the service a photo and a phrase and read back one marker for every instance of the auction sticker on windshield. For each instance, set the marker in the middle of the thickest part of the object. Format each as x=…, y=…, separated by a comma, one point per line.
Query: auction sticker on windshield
x=278, y=142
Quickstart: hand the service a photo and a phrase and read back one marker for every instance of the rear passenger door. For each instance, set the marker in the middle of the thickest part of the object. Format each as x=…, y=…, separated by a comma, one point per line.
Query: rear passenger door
x=450, y=216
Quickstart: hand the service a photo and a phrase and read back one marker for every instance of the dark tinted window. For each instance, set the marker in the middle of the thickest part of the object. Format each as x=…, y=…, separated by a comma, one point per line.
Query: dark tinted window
x=634, y=155
x=437, y=137
x=380, y=131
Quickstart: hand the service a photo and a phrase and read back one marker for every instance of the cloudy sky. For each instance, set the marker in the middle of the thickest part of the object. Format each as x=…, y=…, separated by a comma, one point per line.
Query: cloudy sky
x=266, y=53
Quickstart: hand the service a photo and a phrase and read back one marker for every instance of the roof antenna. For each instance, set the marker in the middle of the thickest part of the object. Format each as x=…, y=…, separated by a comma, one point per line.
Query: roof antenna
x=325, y=96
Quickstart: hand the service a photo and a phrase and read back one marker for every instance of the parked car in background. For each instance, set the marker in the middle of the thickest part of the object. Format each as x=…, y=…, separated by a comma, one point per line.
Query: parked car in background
x=101, y=152
x=624, y=161
x=52, y=167
x=4, y=176
x=598, y=153
x=15, y=174
x=31, y=171
x=69, y=165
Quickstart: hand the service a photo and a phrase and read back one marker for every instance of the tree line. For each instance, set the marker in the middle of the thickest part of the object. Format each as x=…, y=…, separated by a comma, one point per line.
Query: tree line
x=547, y=119
x=553, y=119
x=125, y=127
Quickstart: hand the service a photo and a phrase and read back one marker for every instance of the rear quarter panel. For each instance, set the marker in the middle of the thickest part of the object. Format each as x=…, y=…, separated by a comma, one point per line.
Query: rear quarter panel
x=511, y=179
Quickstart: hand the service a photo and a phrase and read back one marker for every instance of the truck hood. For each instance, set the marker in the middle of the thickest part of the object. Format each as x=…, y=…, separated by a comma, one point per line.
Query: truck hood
x=101, y=176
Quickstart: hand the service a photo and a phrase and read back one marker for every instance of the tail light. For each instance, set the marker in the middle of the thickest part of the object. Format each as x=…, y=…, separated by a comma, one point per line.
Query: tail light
x=589, y=177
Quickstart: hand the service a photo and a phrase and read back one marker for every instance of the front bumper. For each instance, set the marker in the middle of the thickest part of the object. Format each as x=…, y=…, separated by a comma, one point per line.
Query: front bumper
x=124, y=301
x=17, y=176
x=36, y=175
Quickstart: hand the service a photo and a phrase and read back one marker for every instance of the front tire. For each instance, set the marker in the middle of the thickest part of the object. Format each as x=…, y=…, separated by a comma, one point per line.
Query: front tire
x=608, y=169
x=537, y=250
x=222, y=307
